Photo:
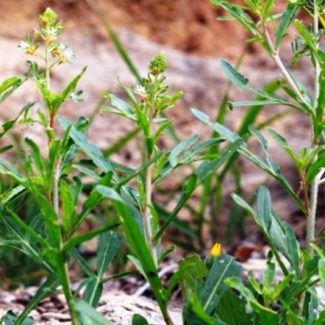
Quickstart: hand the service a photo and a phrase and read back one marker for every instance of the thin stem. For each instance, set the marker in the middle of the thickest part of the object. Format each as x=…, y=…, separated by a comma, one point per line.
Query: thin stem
x=67, y=291
x=311, y=219
x=47, y=66
x=148, y=193
x=56, y=188
x=277, y=59
x=62, y=262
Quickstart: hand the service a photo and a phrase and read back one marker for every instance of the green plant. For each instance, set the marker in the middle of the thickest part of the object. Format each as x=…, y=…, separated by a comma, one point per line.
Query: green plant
x=293, y=298
x=50, y=180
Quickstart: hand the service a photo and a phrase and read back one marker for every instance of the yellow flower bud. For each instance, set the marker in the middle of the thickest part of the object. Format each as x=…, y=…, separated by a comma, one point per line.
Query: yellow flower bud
x=216, y=250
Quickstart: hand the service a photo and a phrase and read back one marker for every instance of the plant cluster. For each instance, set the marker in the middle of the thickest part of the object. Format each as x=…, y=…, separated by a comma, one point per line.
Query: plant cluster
x=66, y=183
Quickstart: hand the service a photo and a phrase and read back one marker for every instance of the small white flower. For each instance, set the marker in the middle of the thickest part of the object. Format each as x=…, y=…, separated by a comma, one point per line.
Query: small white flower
x=24, y=45
x=140, y=90
x=63, y=52
x=68, y=54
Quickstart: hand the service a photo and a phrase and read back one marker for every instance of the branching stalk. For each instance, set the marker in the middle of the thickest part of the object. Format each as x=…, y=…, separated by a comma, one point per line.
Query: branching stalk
x=277, y=59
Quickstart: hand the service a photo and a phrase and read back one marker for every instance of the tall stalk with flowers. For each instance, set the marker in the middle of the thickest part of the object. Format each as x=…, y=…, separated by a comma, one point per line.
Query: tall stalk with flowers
x=51, y=180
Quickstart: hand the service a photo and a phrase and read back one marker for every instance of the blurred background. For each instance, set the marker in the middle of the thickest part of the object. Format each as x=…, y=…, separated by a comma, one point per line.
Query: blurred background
x=193, y=41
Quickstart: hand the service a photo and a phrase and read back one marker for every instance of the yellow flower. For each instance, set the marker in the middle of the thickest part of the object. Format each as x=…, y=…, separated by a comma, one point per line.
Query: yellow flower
x=216, y=250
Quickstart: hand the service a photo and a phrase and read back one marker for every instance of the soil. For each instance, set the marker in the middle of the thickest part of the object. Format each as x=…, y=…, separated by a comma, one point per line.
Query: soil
x=189, y=27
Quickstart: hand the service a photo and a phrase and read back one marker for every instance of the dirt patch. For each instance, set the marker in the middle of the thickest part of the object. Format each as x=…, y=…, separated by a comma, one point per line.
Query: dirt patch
x=190, y=27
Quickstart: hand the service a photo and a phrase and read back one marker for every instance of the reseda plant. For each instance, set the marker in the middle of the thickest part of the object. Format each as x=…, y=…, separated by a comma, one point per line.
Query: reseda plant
x=51, y=235
x=292, y=299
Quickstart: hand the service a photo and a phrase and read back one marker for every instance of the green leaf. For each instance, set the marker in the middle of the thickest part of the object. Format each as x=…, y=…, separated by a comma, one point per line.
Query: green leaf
x=223, y=267
x=43, y=291
x=278, y=233
x=88, y=315
x=251, y=103
x=235, y=77
x=321, y=271
x=10, y=318
x=240, y=15
x=121, y=142
x=8, y=86
x=80, y=239
x=139, y=320
x=266, y=315
x=8, y=125
x=264, y=97
x=315, y=168
x=194, y=314
x=107, y=247
x=232, y=310
x=86, y=146
x=201, y=173
x=269, y=166
x=90, y=203
x=191, y=269
x=174, y=154
x=286, y=20
x=131, y=222
x=120, y=107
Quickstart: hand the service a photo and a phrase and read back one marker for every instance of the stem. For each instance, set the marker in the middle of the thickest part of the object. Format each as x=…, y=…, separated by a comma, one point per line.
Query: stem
x=311, y=219
x=277, y=59
x=67, y=290
x=148, y=193
x=62, y=261
x=56, y=188
x=47, y=67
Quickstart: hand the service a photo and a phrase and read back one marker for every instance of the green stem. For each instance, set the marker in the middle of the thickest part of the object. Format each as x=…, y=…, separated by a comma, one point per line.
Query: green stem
x=62, y=261
x=311, y=219
x=67, y=289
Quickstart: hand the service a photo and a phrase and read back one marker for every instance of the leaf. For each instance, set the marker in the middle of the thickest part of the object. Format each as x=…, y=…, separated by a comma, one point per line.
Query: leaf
x=194, y=314
x=315, y=167
x=321, y=271
x=43, y=291
x=133, y=229
x=10, y=318
x=252, y=103
x=201, y=173
x=235, y=77
x=107, y=247
x=8, y=125
x=139, y=320
x=223, y=267
x=88, y=315
x=278, y=233
x=266, y=315
x=80, y=239
x=86, y=146
x=120, y=107
x=71, y=87
x=174, y=154
x=8, y=86
x=191, y=269
x=121, y=142
x=232, y=310
x=265, y=97
x=269, y=166
x=286, y=19
x=240, y=15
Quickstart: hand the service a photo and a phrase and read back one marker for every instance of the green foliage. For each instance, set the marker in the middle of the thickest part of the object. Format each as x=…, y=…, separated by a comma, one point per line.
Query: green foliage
x=65, y=181
x=292, y=298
